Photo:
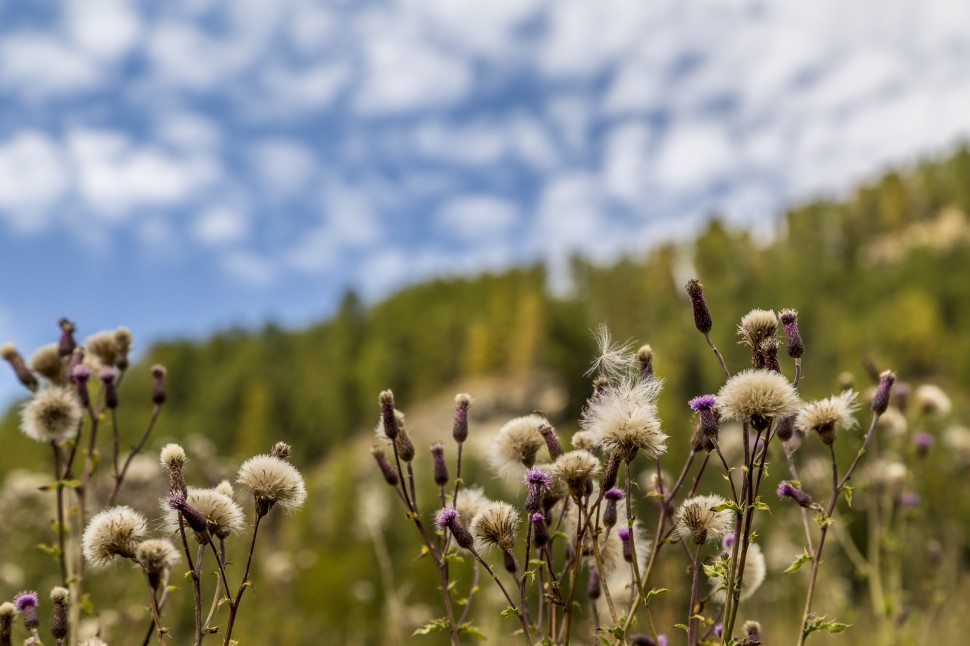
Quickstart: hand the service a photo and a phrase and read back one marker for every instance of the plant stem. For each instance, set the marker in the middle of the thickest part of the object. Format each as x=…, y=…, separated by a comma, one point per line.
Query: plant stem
x=720, y=359
x=120, y=476
x=153, y=605
x=61, y=527
x=508, y=597
x=243, y=583
x=691, y=622
x=638, y=584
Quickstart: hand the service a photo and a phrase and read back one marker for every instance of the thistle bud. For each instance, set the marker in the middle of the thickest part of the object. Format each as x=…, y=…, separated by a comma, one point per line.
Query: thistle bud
x=66, y=344
x=702, y=316
x=923, y=442
x=626, y=538
x=785, y=428
x=159, y=394
x=610, y=471
x=788, y=490
x=699, y=441
x=752, y=631
x=769, y=354
x=645, y=359
x=613, y=496
x=172, y=458
x=388, y=471
x=537, y=481
x=793, y=340
x=60, y=598
x=440, y=468
x=593, y=585
x=9, y=352
x=540, y=530
x=448, y=518
x=704, y=406
x=386, y=399
x=80, y=375
x=26, y=603
x=548, y=433
x=192, y=516
x=122, y=338
x=880, y=401
x=281, y=450
x=509, y=561
x=108, y=377
x=405, y=448
x=7, y=611
x=459, y=430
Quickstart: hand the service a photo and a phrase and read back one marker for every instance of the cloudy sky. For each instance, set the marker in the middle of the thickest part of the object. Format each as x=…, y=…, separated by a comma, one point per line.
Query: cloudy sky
x=185, y=165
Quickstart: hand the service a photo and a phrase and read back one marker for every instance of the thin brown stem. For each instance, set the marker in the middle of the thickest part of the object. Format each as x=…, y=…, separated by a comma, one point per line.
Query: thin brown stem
x=691, y=621
x=153, y=605
x=243, y=583
x=61, y=527
x=120, y=476
x=720, y=359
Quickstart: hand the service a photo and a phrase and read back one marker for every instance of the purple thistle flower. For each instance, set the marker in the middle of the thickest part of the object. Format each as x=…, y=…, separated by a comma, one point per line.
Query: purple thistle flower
x=537, y=478
x=548, y=434
x=108, y=378
x=702, y=402
x=440, y=467
x=719, y=629
x=793, y=340
x=540, y=531
x=80, y=374
x=594, y=586
x=625, y=536
x=445, y=517
x=788, y=490
x=388, y=471
x=538, y=482
x=880, y=401
x=26, y=599
x=923, y=441
x=614, y=494
x=727, y=541
x=702, y=315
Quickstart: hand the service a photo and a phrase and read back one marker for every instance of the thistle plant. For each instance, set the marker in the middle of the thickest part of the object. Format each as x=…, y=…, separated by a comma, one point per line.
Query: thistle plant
x=575, y=539
x=76, y=407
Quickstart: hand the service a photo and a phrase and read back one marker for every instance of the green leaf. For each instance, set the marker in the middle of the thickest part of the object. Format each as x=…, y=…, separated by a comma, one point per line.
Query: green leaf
x=760, y=505
x=848, y=494
x=472, y=631
x=821, y=623
x=434, y=626
x=799, y=561
x=650, y=595
x=682, y=627
x=510, y=611
x=727, y=504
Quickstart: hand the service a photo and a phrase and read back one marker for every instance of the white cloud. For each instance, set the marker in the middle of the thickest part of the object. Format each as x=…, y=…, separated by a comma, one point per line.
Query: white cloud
x=477, y=218
x=404, y=72
x=627, y=161
x=41, y=65
x=220, y=225
x=283, y=166
x=483, y=143
x=33, y=179
x=189, y=132
x=250, y=269
x=693, y=155
x=105, y=29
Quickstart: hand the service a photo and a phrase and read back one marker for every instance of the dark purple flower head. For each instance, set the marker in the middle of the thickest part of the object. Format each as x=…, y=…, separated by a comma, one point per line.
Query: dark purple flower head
x=81, y=373
x=880, y=401
x=538, y=518
x=537, y=478
x=614, y=494
x=440, y=467
x=703, y=402
x=923, y=441
x=445, y=517
x=540, y=531
x=909, y=499
x=727, y=541
x=623, y=533
x=719, y=629
x=788, y=490
x=702, y=315
x=793, y=340
x=107, y=375
x=26, y=599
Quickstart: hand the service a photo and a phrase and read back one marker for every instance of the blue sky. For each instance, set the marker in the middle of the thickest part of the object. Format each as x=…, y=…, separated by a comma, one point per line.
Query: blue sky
x=183, y=166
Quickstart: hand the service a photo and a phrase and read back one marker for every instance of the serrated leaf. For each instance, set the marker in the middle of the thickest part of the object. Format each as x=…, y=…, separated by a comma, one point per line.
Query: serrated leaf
x=508, y=612
x=799, y=561
x=434, y=626
x=848, y=494
x=760, y=505
x=727, y=504
x=828, y=625
x=654, y=592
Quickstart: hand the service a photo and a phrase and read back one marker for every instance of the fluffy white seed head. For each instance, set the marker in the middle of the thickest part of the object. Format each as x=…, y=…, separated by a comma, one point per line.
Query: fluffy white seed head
x=756, y=326
x=824, y=415
x=697, y=521
x=223, y=514
x=60, y=596
x=172, y=456
x=92, y=641
x=751, y=580
x=574, y=469
x=8, y=351
x=103, y=348
x=51, y=415
x=495, y=525
x=515, y=447
x=470, y=501
x=225, y=488
x=116, y=531
x=893, y=422
x=624, y=419
x=273, y=481
x=584, y=440
x=931, y=400
x=157, y=556
x=46, y=361
x=756, y=394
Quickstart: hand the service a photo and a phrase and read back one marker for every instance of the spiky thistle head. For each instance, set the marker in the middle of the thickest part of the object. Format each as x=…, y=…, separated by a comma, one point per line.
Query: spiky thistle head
x=223, y=515
x=756, y=326
x=60, y=623
x=47, y=362
x=825, y=416
x=116, y=531
x=103, y=348
x=583, y=440
x=272, y=481
x=788, y=490
x=51, y=415
x=756, y=396
x=496, y=524
x=702, y=315
x=157, y=556
x=459, y=429
x=575, y=469
x=624, y=420
x=516, y=445
x=698, y=519
x=793, y=340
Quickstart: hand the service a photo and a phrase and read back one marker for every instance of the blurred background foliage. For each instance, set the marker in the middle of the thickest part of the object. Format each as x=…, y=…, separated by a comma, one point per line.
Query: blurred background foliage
x=880, y=279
